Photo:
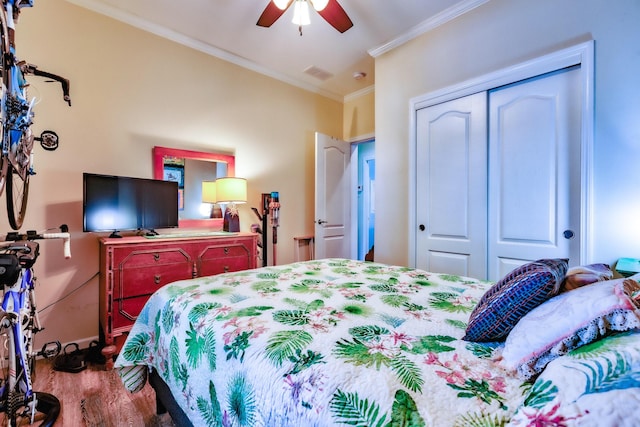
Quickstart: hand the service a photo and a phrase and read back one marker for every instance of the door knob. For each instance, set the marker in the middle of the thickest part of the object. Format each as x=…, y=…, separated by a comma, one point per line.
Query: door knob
x=568, y=234
x=421, y=227
x=321, y=222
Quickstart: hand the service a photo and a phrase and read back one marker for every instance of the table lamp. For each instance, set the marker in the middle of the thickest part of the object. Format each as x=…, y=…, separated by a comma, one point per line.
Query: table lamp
x=209, y=195
x=232, y=191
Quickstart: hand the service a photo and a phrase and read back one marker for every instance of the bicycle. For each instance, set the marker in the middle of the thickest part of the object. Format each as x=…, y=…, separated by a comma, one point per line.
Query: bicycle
x=19, y=322
x=16, y=117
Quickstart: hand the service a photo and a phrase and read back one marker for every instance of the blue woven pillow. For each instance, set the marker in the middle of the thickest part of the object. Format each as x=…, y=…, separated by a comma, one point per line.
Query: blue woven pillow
x=512, y=297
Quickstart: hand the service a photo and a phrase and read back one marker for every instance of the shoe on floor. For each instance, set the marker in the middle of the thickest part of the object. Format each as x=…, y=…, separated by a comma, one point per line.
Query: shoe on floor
x=70, y=361
x=93, y=354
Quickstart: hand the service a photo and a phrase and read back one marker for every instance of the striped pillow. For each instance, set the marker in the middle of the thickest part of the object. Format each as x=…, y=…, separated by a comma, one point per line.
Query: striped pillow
x=512, y=297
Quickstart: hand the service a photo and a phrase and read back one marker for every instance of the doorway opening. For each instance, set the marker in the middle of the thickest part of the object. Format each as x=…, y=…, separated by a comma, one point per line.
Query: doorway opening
x=366, y=199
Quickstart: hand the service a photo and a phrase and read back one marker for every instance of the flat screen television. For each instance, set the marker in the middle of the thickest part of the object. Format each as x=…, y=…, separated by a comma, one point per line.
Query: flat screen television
x=119, y=203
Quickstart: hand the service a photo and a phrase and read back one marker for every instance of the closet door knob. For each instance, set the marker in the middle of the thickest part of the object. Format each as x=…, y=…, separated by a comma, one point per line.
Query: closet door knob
x=421, y=227
x=568, y=234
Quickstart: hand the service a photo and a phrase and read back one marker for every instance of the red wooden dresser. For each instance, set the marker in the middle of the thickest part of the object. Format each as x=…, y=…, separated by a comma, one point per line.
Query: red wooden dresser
x=132, y=268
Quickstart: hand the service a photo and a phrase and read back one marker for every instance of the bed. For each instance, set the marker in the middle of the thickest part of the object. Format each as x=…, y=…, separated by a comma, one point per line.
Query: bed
x=341, y=342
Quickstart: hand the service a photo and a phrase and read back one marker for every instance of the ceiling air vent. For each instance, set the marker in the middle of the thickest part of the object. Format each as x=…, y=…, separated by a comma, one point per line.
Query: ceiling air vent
x=318, y=73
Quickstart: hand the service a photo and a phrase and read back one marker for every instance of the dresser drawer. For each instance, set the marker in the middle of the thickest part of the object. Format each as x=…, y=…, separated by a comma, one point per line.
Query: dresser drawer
x=213, y=266
x=129, y=259
x=224, y=251
x=146, y=280
x=223, y=259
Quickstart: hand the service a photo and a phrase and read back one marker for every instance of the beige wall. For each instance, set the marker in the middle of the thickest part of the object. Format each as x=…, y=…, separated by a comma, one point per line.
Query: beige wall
x=132, y=90
x=359, y=116
x=496, y=35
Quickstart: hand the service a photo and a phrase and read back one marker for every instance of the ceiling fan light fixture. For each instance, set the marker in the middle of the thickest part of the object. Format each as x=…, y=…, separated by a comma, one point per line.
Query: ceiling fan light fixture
x=319, y=4
x=301, y=13
x=329, y=10
x=281, y=4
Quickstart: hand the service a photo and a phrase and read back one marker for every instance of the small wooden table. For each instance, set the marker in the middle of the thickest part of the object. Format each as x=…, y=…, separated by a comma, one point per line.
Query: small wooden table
x=304, y=246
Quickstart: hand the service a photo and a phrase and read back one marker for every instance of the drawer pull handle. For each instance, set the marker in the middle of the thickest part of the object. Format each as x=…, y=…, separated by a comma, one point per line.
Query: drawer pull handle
x=226, y=251
x=226, y=268
x=156, y=279
x=156, y=256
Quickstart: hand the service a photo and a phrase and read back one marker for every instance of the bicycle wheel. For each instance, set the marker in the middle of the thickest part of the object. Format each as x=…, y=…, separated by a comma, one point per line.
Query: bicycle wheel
x=17, y=196
x=12, y=399
x=4, y=167
x=4, y=370
x=4, y=91
x=18, y=408
x=47, y=412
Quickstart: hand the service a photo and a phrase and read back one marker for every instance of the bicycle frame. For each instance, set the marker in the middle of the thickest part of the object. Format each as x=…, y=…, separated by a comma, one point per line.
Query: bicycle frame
x=19, y=321
x=14, y=310
x=17, y=307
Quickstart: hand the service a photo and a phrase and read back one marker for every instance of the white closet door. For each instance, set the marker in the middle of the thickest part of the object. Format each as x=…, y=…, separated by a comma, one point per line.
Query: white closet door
x=534, y=176
x=451, y=187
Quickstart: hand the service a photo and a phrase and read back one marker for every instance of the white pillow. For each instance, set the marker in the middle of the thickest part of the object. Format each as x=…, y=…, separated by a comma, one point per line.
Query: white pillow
x=570, y=320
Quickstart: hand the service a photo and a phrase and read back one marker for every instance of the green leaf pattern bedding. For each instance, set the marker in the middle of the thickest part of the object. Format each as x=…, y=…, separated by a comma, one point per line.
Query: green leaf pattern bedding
x=337, y=342
x=595, y=385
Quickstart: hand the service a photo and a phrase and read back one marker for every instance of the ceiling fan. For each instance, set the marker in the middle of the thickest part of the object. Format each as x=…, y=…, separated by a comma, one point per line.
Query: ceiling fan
x=330, y=10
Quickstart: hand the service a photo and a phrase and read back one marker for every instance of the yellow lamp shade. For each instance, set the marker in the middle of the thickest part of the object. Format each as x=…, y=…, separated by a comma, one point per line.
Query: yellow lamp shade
x=231, y=190
x=209, y=192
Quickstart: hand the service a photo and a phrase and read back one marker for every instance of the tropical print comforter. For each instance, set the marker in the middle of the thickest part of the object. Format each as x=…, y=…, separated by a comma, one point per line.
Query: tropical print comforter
x=330, y=342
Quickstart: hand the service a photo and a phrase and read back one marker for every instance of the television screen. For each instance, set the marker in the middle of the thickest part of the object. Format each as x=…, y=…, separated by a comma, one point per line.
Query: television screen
x=160, y=204
x=117, y=203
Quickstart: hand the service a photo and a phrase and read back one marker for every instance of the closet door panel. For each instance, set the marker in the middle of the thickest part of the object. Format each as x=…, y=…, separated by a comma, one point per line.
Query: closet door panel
x=527, y=164
x=451, y=187
x=534, y=160
x=448, y=190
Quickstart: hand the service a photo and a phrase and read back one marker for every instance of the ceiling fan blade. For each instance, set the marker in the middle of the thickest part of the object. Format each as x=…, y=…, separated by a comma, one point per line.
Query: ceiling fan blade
x=335, y=15
x=271, y=14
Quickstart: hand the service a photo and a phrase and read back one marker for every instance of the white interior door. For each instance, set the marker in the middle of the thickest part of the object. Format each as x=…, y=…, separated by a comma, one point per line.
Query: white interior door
x=451, y=187
x=332, y=198
x=534, y=178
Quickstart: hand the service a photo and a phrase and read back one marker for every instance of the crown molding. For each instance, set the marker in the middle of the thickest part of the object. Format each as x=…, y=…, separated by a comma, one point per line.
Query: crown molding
x=357, y=94
x=437, y=20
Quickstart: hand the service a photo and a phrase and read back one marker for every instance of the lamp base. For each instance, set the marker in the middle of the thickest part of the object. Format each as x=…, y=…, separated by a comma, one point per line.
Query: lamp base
x=231, y=222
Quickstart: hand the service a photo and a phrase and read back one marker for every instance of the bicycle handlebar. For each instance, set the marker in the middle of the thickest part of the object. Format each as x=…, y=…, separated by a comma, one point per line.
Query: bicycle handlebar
x=66, y=240
x=33, y=69
x=33, y=235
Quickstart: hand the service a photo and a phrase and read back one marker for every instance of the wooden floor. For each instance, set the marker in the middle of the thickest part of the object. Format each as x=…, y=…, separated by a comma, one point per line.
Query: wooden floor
x=119, y=407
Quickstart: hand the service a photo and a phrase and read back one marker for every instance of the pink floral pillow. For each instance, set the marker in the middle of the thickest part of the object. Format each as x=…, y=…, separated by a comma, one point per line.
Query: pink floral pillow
x=570, y=320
